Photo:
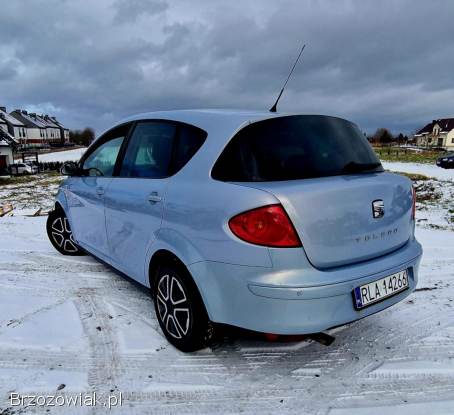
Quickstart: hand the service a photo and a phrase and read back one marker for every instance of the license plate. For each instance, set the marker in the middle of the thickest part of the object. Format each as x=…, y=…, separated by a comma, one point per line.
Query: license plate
x=375, y=291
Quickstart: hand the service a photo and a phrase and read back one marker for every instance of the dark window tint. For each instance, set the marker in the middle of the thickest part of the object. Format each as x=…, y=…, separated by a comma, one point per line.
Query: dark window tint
x=102, y=158
x=296, y=147
x=149, y=151
x=188, y=142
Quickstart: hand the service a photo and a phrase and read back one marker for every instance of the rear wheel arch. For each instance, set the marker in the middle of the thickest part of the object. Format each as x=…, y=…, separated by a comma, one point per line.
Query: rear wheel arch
x=168, y=273
x=165, y=257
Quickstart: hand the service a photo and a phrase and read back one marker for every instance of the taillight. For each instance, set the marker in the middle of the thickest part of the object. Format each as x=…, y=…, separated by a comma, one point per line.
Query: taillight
x=267, y=226
x=413, y=209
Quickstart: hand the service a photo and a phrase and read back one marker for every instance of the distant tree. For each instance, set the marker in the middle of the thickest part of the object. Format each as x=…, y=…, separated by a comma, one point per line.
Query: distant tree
x=400, y=139
x=382, y=136
x=82, y=137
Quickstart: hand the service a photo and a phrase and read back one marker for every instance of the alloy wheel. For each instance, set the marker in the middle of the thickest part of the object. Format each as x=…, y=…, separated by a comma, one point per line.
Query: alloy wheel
x=62, y=235
x=173, y=306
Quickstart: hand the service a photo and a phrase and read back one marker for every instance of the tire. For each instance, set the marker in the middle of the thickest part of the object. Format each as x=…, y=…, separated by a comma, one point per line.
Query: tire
x=60, y=234
x=179, y=308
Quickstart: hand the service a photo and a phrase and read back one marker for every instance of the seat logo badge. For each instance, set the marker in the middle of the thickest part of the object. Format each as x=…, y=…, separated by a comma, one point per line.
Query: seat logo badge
x=378, y=209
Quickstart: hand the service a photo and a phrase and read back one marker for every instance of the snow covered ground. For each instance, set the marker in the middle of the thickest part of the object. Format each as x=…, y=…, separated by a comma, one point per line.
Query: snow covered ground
x=429, y=170
x=68, y=155
x=435, y=196
x=74, y=324
x=30, y=193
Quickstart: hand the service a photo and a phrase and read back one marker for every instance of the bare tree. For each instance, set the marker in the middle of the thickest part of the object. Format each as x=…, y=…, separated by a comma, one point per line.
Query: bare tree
x=382, y=136
x=82, y=137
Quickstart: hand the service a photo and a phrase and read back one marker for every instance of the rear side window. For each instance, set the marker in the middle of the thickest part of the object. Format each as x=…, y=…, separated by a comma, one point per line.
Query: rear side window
x=295, y=147
x=149, y=151
x=189, y=140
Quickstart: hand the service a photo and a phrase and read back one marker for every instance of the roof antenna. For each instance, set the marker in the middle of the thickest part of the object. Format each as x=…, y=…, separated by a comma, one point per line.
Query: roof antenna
x=274, y=107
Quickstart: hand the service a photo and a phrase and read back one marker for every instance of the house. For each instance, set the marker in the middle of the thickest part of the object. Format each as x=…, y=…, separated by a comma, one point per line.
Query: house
x=41, y=129
x=33, y=130
x=64, y=132
x=52, y=129
x=7, y=143
x=13, y=126
x=438, y=133
x=36, y=129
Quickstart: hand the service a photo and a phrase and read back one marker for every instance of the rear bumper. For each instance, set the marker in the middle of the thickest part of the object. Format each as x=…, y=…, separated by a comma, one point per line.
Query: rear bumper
x=286, y=301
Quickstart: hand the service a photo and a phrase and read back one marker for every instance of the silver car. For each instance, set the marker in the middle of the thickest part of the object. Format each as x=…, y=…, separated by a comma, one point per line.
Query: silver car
x=277, y=223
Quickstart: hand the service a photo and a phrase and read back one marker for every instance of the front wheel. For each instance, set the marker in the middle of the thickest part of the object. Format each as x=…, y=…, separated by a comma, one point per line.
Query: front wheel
x=179, y=309
x=60, y=234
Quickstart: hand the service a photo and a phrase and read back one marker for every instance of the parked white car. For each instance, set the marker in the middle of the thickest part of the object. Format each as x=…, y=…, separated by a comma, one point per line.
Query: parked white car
x=23, y=168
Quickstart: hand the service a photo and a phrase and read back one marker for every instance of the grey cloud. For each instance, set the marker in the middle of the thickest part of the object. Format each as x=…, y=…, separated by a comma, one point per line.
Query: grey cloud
x=128, y=11
x=377, y=63
x=7, y=71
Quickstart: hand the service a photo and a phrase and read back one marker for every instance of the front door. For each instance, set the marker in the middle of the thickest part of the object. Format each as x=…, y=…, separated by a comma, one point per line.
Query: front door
x=2, y=164
x=86, y=193
x=135, y=199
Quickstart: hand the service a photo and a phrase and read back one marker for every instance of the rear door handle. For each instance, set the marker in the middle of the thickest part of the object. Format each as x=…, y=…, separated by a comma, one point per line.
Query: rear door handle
x=100, y=190
x=153, y=197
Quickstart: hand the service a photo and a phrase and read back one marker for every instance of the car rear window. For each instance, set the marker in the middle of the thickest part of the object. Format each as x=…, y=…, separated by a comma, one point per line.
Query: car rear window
x=296, y=147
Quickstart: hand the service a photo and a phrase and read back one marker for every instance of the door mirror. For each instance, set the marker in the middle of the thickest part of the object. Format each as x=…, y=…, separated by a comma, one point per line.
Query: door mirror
x=70, y=169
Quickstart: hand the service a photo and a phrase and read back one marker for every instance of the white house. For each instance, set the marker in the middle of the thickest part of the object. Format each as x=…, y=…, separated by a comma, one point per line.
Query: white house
x=64, y=132
x=41, y=129
x=13, y=126
x=53, y=130
x=438, y=133
x=36, y=129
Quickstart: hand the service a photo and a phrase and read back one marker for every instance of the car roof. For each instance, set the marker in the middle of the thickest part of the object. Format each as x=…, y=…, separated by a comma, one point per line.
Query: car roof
x=221, y=122
x=207, y=119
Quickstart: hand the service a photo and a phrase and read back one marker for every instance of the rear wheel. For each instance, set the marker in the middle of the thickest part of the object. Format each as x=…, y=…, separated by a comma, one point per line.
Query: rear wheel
x=179, y=308
x=60, y=234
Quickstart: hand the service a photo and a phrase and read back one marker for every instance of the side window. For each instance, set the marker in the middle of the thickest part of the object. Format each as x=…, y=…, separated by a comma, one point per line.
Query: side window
x=101, y=161
x=188, y=142
x=149, y=151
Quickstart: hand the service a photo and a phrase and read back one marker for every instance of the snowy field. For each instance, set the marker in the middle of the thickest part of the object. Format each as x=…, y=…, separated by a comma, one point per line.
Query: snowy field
x=429, y=170
x=68, y=155
x=435, y=195
x=75, y=325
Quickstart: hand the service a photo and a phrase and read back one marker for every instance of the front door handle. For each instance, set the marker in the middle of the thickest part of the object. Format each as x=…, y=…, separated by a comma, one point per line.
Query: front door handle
x=100, y=190
x=154, y=197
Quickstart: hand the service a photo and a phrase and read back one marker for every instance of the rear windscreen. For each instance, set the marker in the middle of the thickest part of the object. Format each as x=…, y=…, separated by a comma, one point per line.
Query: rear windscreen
x=296, y=147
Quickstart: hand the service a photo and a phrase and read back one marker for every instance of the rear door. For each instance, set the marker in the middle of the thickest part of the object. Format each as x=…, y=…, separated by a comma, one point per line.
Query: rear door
x=86, y=193
x=134, y=199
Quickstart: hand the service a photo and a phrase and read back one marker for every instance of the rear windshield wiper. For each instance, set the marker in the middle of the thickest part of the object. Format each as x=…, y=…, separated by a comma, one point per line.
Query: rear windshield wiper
x=354, y=167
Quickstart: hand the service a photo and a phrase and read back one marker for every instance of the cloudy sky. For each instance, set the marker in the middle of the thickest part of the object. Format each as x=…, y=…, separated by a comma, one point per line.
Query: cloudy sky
x=379, y=63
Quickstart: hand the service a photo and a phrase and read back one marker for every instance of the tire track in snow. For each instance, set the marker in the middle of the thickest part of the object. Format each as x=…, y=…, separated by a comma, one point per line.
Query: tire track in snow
x=101, y=338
